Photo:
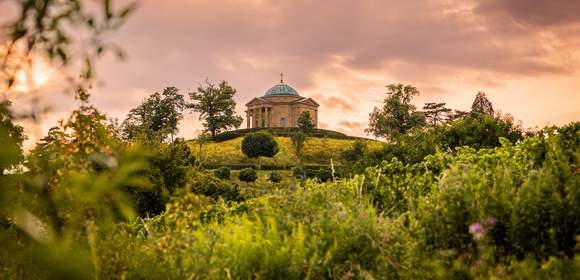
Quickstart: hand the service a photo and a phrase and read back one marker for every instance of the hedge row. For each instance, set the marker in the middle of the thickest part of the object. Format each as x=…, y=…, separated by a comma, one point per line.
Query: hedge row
x=264, y=167
x=280, y=131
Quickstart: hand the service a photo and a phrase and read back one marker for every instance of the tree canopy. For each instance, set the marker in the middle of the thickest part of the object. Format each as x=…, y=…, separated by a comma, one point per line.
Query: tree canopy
x=305, y=122
x=11, y=137
x=398, y=115
x=157, y=116
x=436, y=113
x=481, y=104
x=259, y=144
x=298, y=138
x=216, y=107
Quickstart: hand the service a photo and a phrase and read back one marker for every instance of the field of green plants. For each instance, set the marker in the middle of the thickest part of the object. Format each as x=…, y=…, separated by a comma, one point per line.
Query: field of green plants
x=98, y=207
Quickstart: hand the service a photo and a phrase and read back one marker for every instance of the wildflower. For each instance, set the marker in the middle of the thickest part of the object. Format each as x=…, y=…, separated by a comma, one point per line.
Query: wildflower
x=477, y=230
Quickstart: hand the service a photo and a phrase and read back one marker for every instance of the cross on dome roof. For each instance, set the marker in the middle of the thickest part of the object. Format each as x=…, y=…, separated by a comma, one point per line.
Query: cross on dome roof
x=282, y=89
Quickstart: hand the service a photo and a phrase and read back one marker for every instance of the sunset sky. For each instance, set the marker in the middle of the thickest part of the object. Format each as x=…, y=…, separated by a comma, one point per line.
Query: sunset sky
x=524, y=54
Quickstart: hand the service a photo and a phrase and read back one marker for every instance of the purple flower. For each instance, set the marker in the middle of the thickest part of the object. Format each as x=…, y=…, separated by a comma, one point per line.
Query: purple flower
x=477, y=230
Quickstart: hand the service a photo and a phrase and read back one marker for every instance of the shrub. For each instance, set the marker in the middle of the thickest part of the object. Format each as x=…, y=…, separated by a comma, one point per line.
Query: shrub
x=481, y=131
x=324, y=174
x=275, y=177
x=280, y=131
x=222, y=173
x=248, y=175
x=169, y=169
x=209, y=185
x=259, y=144
x=356, y=151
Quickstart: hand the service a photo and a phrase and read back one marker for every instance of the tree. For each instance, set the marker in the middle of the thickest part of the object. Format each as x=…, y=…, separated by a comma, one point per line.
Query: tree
x=248, y=175
x=157, y=117
x=216, y=106
x=259, y=144
x=481, y=131
x=305, y=122
x=397, y=115
x=298, y=138
x=436, y=113
x=356, y=151
x=11, y=137
x=61, y=32
x=481, y=104
x=202, y=138
x=457, y=114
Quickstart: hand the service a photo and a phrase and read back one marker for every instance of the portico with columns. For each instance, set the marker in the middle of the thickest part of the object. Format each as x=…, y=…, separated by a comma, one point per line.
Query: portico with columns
x=280, y=106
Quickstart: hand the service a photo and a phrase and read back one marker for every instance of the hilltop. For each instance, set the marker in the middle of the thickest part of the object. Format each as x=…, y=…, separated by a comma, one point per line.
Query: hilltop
x=322, y=146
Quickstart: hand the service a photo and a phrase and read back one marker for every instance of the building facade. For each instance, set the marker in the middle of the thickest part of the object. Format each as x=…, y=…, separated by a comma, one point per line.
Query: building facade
x=280, y=107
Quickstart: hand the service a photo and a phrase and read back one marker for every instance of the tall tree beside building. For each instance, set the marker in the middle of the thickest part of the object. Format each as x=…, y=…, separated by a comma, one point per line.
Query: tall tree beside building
x=216, y=107
x=305, y=122
x=398, y=115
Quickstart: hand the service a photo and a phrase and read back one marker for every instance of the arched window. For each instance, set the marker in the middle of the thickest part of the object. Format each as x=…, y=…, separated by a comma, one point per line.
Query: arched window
x=282, y=122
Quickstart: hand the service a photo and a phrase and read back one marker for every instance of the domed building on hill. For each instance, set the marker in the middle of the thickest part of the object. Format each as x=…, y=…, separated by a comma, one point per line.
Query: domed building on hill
x=280, y=107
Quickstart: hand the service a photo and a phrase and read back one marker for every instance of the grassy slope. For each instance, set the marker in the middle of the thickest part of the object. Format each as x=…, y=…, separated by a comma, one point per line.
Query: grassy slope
x=316, y=151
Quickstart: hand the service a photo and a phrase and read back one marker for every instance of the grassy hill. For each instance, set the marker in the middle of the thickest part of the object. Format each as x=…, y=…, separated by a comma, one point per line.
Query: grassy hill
x=317, y=151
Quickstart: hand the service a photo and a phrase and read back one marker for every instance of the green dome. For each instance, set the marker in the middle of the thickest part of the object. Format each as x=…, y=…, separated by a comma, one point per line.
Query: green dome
x=281, y=90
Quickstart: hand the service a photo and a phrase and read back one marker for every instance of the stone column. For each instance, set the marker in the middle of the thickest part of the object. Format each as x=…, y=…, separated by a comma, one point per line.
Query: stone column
x=248, y=118
x=316, y=118
x=259, y=109
x=254, y=118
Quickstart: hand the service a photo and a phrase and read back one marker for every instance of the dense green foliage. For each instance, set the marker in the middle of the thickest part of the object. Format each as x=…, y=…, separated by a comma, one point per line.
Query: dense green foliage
x=248, y=175
x=504, y=212
x=222, y=173
x=275, y=177
x=436, y=113
x=156, y=117
x=281, y=131
x=510, y=210
x=170, y=165
x=206, y=184
x=259, y=144
x=11, y=137
x=398, y=115
x=298, y=139
x=474, y=130
x=305, y=122
x=469, y=198
x=216, y=107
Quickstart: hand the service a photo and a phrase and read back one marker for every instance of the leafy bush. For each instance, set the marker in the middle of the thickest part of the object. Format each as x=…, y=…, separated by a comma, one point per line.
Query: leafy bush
x=356, y=152
x=323, y=174
x=222, y=173
x=481, y=131
x=259, y=144
x=169, y=169
x=275, y=177
x=208, y=185
x=248, y=175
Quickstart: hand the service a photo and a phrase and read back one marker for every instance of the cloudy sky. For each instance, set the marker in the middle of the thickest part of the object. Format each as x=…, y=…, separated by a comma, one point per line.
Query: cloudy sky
x=525, y=54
